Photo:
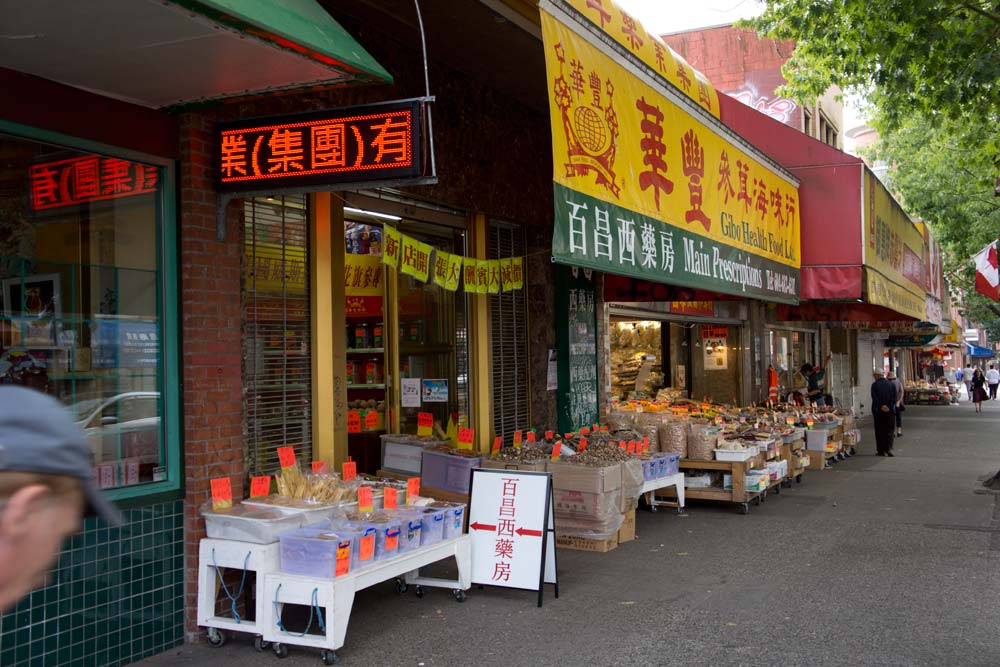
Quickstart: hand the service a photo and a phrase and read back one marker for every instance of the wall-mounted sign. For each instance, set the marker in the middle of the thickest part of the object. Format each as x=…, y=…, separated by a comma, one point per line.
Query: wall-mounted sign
x=87, y=179
x=349, y=145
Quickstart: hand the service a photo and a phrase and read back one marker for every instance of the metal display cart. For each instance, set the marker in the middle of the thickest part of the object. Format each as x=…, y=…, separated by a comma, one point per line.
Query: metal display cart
x=650, y=487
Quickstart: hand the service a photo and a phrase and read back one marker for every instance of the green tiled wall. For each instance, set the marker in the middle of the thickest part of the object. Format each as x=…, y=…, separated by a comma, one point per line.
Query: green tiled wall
x=116, y=596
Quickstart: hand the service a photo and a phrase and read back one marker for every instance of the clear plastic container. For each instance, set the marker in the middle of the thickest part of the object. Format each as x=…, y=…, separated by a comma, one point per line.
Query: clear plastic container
x=650, y=469
x=454, y=518
x=313, y=512
x=249, y=524
x=670, y=464
x=316, y=552
x=433, y=529
x=448, y=472
x=410, y=528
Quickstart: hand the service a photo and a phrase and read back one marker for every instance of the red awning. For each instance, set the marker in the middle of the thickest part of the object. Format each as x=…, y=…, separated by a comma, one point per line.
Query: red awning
x=852, y=315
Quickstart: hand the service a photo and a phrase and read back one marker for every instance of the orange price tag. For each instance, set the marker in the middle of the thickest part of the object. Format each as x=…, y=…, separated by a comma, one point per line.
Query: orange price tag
x=583, y=444
x=390, y=502
x=585, y=431
x=465, y=437
x=222, y=493
x=556, y=448
x=517, y=439
x=343, y=558
x=548, y=435
x=621, y=444
x=645, y=443
x=367, y=550
x=354, y=422
x=531, y=436
x=260, y=486
x=286, y=457
x=497, y=444
x=391, y=539
x=631, y=446
x=425, y=423
x=412, y=489
x=350, y=471
x=320, y=467
x=365, y=501
x=371, y=420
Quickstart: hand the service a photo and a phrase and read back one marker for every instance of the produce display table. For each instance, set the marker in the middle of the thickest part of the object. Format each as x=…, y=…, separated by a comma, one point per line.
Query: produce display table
x=650, y=488
x=738, y=494
x=215, y=554
x=792, y=453
x=334, y=598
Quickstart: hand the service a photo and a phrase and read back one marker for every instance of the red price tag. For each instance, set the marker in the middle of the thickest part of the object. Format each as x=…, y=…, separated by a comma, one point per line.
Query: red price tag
x=390, y=502
x=631, y=446
x=367, y=549
x=366, y=502
x=350, y=471
x=548, y=435
x=465, y=437
x=585, y=431
x=412, y=489
x=517, y=439
x=645, y=443
x=354, y=422
x=371, y=420
x=556, y=448
x=621, y=444
x=531, y=436
x=425, y=423
x=391, y=539
x=320, y=467
x=286, y=457
x=260, y=486
x=222, y=493
x=583, y=444
x=343, y=558
x=497, y=443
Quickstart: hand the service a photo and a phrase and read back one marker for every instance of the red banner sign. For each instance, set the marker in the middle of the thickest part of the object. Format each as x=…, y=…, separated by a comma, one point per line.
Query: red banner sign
x=87, y=179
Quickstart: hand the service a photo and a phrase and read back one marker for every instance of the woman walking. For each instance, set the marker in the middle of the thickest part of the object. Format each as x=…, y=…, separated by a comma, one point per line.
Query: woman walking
x=979, y=393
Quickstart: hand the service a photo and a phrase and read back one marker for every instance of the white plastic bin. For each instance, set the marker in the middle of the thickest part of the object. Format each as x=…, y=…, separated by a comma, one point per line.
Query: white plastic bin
x=316, y=552
x=454, y=518
x=432, y=531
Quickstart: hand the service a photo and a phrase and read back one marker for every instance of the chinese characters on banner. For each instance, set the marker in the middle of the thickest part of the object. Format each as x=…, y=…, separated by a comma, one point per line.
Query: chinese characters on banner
x=576, y=338
x=340, y=145
x=87, y=179
x=648, y=189
x=362, y=284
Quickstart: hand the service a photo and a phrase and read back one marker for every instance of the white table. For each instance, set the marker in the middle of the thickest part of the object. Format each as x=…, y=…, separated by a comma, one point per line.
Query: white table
x=650, y=487
x=335, y=597
x=232, y=554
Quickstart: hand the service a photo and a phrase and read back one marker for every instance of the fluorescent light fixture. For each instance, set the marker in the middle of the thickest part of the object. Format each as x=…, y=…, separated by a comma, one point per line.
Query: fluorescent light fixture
x=386, y=216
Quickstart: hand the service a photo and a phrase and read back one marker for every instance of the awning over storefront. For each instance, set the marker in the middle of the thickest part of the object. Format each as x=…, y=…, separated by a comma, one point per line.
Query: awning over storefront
x=977, y=351
x=160, y=54
x=648, y=184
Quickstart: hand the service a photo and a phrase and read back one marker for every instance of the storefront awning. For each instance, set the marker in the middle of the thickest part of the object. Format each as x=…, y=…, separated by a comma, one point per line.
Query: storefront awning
x=160, y=54
x=977, y=351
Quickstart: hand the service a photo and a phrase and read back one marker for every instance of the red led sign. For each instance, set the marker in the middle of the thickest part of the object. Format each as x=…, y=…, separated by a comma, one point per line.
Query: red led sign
x=352, y=145
x=87, y=179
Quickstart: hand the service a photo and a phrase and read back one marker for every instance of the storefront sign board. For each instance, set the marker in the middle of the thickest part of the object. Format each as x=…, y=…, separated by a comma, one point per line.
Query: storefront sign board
x=576, y=334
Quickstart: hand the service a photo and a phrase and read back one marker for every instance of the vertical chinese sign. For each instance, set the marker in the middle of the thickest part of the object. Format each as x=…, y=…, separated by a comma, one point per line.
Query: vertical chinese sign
x=576, y=338
x=512, y=529
x=648, y=188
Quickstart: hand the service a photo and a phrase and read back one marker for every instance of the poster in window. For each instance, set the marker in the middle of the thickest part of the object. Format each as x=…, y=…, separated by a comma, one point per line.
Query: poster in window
x=435, y=391
x=716, y=354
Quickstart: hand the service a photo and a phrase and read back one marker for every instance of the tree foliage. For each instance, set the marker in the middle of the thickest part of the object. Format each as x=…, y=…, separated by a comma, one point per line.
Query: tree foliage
x=940, y=58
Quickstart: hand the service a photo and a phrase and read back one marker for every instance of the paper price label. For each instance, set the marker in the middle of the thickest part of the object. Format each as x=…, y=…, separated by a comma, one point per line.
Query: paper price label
x=371, y=420
x=260, y=486
x=286, y=457
x=531, y=436
x=622, y=445
x=789, y=420
x=367, y=548
x=583, y=444
x=631, y=447
x=556, y=448
x=412, y=489
x=354, y=422
x=497, y=443
x=343, y=565
x=222, y=493
x=425, y=423
x=392, y=539
x=350, y=471
x=366, y=502
x=585, y=431
x=465, y=437
x=390, y=500
x=548, y=435
x=320, y=467
x=517, y=439
x=645, y=443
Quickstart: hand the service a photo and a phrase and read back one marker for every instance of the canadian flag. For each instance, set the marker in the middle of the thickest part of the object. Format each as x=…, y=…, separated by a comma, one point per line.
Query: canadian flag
x=987, y=276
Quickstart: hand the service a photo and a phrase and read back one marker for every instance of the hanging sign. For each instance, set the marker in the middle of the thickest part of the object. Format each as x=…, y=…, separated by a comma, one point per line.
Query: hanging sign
x=415, y=259
x=512, y=526
x=447, y=270
x=337, y=146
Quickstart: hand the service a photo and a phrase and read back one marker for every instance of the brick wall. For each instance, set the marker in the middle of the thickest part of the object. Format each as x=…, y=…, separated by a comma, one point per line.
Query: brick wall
x=211, y=342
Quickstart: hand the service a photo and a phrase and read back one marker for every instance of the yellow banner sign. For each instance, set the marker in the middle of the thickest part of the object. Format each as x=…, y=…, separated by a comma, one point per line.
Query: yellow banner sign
x=415, y=259
x=471, y=273
x=274, y=268
x=391, y=246
x=884, y=292
x=894, y=247
x=362, y=275
x=447, y=270
x=623, y=142
x=650, y=49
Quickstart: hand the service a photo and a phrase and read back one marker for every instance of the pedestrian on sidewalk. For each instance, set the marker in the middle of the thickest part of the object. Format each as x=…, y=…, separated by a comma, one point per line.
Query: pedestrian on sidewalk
x=967, y=380
x=993, y=379
x=816, y=379
x=979, y=389
x=898, y=410
x=883, y=402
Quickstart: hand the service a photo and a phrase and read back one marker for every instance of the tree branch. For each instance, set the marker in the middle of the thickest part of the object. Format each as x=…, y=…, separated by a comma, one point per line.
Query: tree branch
x=978, y=10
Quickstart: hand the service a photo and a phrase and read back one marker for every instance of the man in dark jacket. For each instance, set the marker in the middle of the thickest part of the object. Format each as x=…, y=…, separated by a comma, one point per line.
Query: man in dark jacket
x=883, y=412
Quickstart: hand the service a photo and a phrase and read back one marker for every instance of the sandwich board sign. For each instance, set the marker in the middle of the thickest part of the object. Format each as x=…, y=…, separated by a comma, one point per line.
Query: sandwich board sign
x=511, y=521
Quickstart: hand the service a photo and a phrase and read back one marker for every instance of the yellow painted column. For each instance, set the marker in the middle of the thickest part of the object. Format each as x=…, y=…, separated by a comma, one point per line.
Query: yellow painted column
x=480, y=376
x=339, y=338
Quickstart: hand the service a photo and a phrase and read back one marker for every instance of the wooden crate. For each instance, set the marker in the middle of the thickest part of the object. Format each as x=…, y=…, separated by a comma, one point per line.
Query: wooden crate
x=627, y=532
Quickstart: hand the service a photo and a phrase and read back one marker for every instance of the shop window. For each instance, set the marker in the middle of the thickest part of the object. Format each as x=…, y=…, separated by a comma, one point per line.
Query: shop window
x=509, y=339
x=277, y=362
x=82, y=298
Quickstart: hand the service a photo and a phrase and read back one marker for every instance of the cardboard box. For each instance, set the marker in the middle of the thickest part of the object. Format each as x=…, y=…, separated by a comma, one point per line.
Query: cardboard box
x=585, y=478
x=627, y=532
x=539, y=466
x=583, y=544
x=600, y=507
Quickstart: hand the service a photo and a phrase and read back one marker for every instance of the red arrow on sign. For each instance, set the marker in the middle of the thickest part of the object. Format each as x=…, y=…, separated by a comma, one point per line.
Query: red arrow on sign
x=524, y=531
x=482, y=526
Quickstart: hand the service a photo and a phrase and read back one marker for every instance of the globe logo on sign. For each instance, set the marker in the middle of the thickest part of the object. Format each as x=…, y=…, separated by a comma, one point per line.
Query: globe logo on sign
x=590, y=129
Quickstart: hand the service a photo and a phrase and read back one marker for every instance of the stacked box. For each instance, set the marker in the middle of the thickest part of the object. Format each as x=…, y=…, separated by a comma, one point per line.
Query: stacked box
x=588, y=499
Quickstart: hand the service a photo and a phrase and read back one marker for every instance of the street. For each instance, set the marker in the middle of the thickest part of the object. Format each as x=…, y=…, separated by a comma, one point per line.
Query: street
x=879, y=561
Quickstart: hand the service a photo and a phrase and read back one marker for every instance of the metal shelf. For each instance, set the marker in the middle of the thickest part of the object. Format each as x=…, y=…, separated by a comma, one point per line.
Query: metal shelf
x=366, y=386
x=366, y=350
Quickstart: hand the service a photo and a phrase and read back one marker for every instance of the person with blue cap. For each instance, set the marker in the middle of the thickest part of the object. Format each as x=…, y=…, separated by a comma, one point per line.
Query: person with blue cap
x=46, y=487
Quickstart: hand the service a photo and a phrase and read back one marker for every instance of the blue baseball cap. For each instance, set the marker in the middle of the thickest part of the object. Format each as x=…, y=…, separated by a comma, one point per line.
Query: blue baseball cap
x=38, y=435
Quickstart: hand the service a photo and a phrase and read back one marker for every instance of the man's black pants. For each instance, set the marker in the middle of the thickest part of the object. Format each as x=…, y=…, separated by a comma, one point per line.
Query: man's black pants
x=885, y=430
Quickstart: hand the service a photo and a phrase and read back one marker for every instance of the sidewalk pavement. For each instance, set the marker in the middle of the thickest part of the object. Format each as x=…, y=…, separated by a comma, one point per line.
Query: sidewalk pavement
x=880, y=561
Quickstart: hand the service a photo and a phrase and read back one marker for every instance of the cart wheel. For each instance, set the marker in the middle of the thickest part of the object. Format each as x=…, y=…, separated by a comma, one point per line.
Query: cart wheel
x=280, y=650
x=459, y=594
x=652, y=508
x=330, y=657
x=744, y=508
x=260, y=645
x=216, y=638
x=419, y=591
x=401, y=586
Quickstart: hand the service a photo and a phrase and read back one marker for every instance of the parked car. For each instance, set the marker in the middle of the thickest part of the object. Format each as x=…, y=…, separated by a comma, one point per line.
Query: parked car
x=124, y=426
